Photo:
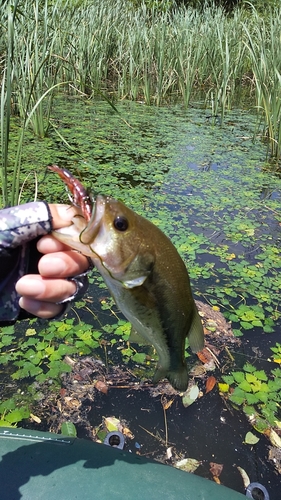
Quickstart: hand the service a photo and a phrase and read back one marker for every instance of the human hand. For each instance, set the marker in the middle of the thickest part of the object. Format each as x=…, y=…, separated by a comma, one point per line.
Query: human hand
x=40, y=293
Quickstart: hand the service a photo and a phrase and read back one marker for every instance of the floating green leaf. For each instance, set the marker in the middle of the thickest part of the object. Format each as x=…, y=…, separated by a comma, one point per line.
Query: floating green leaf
x=68, y=429
x=17, y=415
x=261, y=375
x=250, y=438
x=238, y=376
x=258, y=393
x=190, y=395
x=245, y=386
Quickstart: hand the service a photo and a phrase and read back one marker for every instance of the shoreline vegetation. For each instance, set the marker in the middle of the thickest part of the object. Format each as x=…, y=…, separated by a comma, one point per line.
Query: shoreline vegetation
x=125, y=51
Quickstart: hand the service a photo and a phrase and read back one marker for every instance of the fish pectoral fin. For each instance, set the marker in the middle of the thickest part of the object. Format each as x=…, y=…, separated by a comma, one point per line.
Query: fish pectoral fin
x=136, y=338
x=138, y=281
x=196, y=333
x=138, y=270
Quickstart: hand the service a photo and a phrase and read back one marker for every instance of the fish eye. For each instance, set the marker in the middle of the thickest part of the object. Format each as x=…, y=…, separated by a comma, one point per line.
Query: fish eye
x=121, y=223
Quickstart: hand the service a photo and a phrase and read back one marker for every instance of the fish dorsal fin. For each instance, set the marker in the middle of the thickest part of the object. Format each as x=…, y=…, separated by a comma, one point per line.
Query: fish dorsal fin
x=196, y=333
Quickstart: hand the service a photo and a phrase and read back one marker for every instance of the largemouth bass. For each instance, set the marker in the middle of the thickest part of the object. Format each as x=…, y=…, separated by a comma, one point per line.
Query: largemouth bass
x=147, y=279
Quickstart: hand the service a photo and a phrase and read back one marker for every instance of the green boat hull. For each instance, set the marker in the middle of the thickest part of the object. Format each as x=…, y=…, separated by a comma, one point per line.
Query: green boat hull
x=36, y=465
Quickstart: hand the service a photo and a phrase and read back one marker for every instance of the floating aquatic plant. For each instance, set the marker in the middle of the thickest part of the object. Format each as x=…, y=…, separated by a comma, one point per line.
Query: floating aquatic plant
x=257, y=393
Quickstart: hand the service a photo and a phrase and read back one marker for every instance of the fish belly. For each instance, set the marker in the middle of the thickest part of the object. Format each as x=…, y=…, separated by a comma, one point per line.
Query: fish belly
x=148, y=325
x=144, y=320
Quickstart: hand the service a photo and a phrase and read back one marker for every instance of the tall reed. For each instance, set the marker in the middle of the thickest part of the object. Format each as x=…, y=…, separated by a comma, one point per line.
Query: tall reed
x=37, y=65
x=189, y=49
x=139, y=53
x=264, y=48
x=25, y=84
x=6, y=100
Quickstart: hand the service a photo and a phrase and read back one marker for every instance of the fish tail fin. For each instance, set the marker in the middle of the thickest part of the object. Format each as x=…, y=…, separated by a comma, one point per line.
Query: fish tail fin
x=196, y=333
x=159, y=374
x=178, y=378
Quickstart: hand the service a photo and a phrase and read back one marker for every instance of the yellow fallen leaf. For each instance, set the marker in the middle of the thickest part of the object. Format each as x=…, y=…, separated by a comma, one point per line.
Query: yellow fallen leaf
x=167, y=404
x=223, y=387
x=72, y=402
x=274, y=438
x=126, y=431
x=30, y=331
x=35, y=418
x=245, y=477
x=216, y=308
x=216, y=479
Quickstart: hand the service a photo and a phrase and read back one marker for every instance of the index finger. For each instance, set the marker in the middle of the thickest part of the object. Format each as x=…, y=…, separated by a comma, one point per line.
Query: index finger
x=49, y=244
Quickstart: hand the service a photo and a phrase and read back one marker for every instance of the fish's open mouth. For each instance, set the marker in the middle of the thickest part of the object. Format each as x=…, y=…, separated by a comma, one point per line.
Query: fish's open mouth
x=92, y=228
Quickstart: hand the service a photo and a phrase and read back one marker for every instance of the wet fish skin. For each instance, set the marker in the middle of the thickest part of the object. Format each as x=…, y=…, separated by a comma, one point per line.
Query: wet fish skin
x=147, y=279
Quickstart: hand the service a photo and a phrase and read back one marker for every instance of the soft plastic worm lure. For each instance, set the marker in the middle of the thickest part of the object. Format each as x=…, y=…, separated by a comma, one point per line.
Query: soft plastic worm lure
x=81, y=197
